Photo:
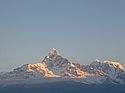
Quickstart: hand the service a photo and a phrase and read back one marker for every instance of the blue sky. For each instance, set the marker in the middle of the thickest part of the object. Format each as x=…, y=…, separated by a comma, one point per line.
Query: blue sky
x=81, y=30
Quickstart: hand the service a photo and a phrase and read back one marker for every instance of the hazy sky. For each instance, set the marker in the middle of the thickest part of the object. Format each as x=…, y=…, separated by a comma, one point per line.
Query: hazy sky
x=81, y=30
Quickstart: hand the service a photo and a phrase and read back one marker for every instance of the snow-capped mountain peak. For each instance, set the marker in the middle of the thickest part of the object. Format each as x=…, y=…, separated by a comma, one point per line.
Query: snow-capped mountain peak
x=54, y=65
x=115, y=64
x=52, y=53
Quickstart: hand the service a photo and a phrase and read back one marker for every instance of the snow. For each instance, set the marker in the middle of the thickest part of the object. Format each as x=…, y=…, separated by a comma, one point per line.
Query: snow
x=55, y=65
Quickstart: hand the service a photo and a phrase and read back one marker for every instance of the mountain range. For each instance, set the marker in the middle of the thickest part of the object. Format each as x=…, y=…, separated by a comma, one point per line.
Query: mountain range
x=60, y=68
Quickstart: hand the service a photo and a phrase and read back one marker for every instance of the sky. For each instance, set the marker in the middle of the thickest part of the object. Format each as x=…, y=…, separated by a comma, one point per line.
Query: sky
x=81, y=30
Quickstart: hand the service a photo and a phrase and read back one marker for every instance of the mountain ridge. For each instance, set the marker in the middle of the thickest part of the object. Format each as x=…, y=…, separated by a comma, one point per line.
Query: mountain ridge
x=54, y=65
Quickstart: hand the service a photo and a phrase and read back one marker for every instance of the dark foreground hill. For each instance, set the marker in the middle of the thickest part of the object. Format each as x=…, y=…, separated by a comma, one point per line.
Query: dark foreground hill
x=61, y=87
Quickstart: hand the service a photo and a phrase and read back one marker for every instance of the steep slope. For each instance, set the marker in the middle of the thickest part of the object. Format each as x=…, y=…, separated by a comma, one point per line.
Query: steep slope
x=29, y=71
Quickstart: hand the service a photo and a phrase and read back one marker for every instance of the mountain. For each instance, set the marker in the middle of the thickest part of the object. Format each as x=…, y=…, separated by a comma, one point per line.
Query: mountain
x=56, y=66
x=106, y=71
